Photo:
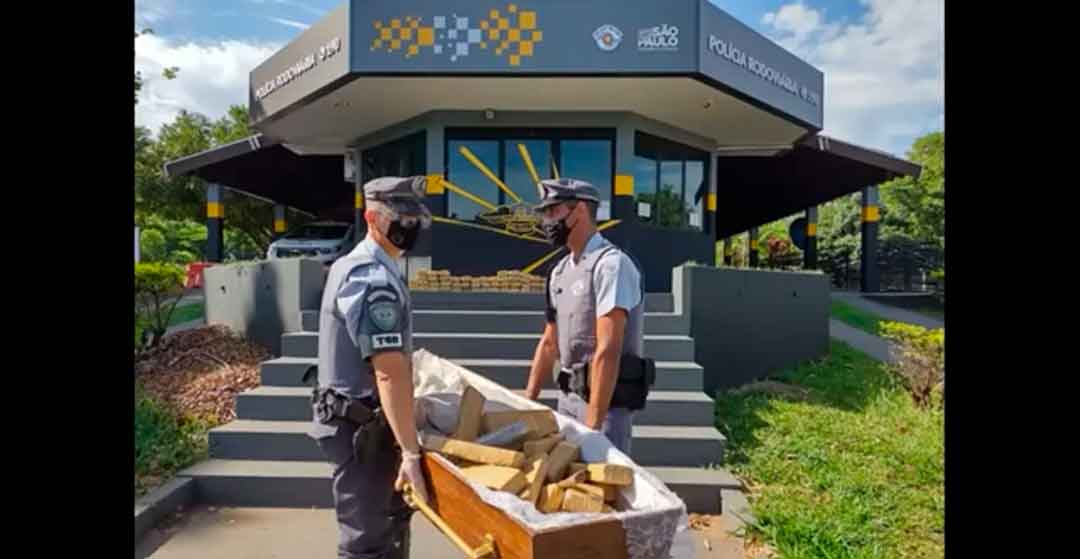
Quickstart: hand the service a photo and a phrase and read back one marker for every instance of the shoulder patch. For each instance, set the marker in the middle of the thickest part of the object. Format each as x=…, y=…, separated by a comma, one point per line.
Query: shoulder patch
x=385, y=315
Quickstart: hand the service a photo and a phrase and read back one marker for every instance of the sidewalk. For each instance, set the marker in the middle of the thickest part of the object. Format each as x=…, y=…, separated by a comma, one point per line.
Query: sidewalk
x=875, y=347
x=281, y=533
x=886, y=311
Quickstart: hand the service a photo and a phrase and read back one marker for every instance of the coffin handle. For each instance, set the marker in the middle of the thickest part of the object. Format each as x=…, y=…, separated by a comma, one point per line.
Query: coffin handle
x=486, y=549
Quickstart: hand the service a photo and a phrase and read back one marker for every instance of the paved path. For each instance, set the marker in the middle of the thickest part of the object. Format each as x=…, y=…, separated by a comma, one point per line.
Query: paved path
x=280, y=533
x=887, y=312
x=873, y=346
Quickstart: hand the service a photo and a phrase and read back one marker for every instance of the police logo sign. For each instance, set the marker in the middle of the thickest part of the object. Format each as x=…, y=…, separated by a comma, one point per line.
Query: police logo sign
x=384, y=316
x=607, y=37
x=660, y=38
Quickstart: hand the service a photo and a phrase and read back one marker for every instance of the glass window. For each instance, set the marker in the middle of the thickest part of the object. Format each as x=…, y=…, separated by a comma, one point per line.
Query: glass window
x=696, y=189
x=588, y=160
x=401, y=158
x=585, y=154
x=517, y=176
x=669, y=210
x=644, y=186
x=463, y=173
x=677, y=196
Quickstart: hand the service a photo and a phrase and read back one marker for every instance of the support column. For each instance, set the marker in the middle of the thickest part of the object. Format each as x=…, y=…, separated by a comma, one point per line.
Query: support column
x=710, y=198
x=356, y=171
x=435, y=198
x=810, y=254
x=622, y=203
x=215, y=223
x=280, y=225
x=869, y=280
x=752, y=256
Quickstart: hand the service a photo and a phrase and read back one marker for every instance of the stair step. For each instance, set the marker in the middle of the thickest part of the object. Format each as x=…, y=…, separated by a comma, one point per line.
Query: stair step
x=652, y=445
x=269, y=483
x=663, y=407
x=426, y=300
x=491, y=345
x=507, y=322
x=511, y=373
x=293, y=403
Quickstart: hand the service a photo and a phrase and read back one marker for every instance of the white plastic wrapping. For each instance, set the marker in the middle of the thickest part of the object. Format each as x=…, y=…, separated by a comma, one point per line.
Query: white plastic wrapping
x=657, y=513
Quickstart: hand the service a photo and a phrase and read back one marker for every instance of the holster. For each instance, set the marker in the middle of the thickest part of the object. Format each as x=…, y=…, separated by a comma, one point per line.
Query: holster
x=636, y=375
x=372, y=433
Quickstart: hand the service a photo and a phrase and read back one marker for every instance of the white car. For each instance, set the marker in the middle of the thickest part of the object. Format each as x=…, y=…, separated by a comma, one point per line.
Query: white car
x=325, y=241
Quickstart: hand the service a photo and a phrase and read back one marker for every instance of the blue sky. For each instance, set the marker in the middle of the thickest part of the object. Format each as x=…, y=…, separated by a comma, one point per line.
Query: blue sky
x=883, y=59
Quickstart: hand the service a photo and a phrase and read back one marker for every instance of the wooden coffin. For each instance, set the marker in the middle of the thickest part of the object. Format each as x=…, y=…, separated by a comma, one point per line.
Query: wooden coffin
x=475, y=522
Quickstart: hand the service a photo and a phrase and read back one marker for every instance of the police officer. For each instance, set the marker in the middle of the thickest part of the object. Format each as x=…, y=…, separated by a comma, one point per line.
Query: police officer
x=595, y=318
x=363, y=402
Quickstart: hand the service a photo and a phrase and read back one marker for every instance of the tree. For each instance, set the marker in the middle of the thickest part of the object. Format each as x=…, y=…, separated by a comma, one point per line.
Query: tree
x=917, y=207
x=248, y=221
x=839, y=233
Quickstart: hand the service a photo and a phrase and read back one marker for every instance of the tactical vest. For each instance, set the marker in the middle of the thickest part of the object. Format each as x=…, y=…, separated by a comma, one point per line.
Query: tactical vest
x=574, y=297
x=340, y=364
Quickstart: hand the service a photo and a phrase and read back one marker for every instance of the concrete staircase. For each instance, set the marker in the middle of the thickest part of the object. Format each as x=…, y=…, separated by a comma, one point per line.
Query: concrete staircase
x=265, y=458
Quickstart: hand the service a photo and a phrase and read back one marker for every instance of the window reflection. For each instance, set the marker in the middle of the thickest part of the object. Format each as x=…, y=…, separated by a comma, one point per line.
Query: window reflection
x=644, y=187
x=581, y=154
x=518, y=176
x=675, y=197
x=668, y=206
x=461, y=172
x=696, y=189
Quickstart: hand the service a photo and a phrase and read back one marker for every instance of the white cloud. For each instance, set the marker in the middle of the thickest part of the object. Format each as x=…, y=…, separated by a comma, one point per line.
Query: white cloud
x=288, y=22
x=884, y=74
x=306, y=7
x=151, y=12
x=212, y=76
x=303, y=6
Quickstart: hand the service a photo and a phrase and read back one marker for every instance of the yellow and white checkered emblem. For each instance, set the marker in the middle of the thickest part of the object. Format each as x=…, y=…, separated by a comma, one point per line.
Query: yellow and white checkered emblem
x=513, y=35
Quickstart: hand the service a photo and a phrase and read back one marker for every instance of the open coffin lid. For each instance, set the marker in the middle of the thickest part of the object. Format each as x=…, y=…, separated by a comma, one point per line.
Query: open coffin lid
x=657, y=513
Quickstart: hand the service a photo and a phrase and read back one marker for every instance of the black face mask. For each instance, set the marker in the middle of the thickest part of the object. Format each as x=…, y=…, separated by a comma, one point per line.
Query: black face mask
x=558, y=232
x=401, y=236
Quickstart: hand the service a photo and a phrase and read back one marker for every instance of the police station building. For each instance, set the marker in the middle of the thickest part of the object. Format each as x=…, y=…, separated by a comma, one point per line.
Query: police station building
x=693, y=126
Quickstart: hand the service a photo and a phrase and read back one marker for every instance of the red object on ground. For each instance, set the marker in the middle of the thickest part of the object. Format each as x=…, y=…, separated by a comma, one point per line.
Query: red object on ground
x=195, y=274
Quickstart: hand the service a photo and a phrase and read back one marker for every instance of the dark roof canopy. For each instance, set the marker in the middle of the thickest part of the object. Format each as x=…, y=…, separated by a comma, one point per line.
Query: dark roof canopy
x=266, y=169
x=752, y=190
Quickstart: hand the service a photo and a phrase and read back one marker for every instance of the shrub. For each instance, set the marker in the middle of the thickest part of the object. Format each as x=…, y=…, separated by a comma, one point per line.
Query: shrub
x=920, y=356
x=164, y=441
x=158, y=287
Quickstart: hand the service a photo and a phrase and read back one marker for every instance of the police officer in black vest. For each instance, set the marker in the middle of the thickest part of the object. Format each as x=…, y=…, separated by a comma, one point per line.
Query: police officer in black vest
x=595, y=318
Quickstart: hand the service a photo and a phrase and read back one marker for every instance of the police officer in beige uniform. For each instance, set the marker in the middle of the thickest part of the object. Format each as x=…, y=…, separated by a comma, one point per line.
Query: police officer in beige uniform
x=595, y=318
x=363, y=402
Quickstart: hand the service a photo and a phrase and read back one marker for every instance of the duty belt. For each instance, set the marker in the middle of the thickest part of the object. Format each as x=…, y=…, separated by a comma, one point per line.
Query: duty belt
x=330, y=404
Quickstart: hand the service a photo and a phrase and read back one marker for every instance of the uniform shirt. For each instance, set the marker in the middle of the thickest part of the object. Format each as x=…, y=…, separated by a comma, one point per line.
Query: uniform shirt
x=373, y=306
x=617, y=280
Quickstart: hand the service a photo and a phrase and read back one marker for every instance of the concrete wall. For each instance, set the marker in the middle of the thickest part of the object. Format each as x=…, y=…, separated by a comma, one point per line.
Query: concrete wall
x=262, y=300
x=748, y=323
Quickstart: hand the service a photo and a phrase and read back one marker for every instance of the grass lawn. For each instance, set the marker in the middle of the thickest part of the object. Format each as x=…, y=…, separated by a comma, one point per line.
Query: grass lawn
x=856, y=317
x=186, y=313
x=855, y=471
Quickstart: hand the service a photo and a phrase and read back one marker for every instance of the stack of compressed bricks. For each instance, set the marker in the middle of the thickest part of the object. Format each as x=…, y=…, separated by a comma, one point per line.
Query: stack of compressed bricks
x=506, y=280
x=521, y=452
